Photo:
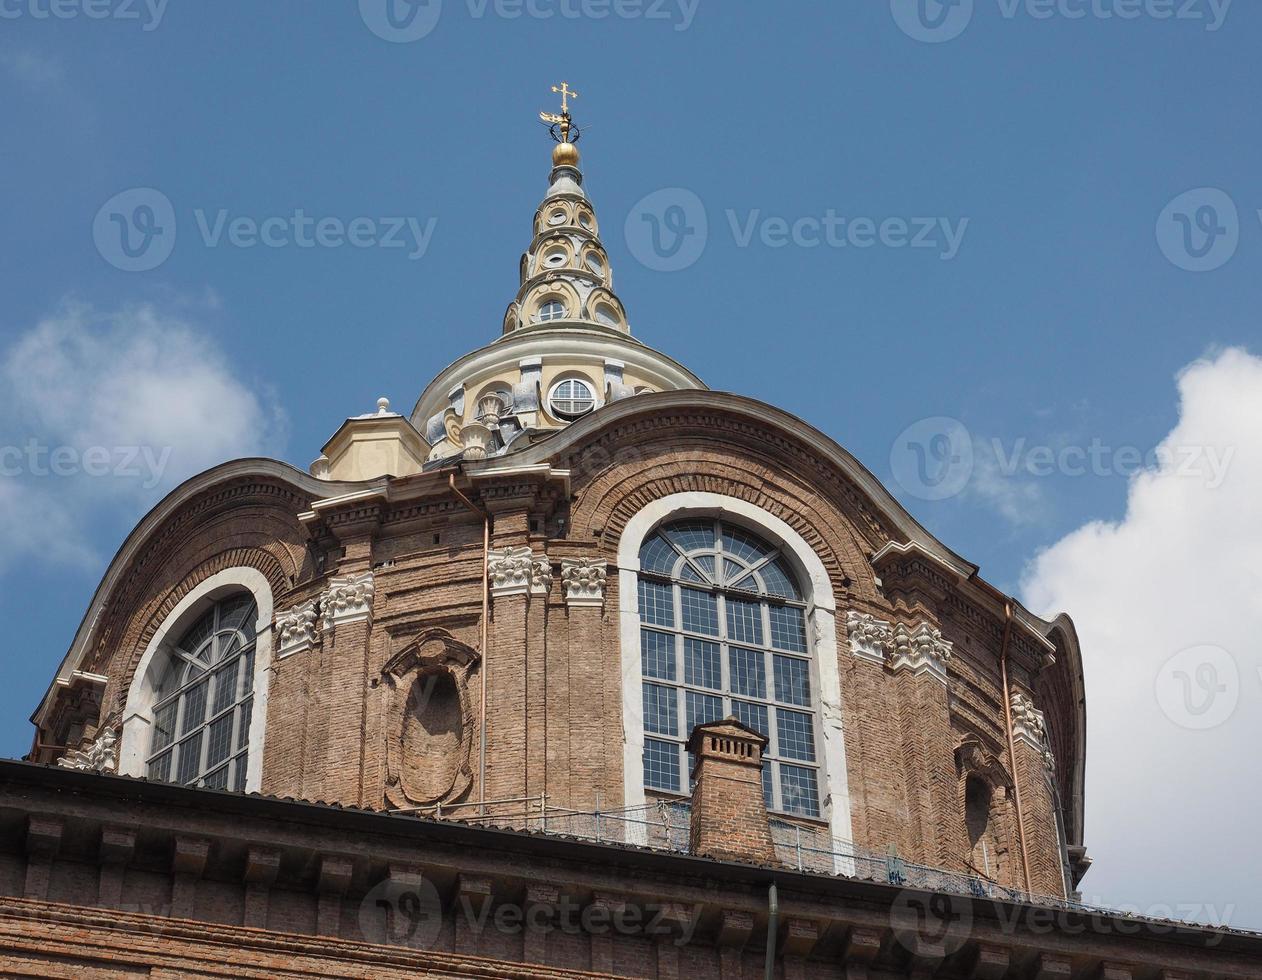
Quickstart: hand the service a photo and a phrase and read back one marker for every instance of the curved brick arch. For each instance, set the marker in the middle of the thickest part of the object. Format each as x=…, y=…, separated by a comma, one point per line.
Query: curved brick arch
x=239, y=524
x=615, y=482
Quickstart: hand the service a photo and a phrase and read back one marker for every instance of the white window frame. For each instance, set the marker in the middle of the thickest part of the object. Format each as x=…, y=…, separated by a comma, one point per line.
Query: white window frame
x=568, y=416
x=821, y=628
x=134, y=750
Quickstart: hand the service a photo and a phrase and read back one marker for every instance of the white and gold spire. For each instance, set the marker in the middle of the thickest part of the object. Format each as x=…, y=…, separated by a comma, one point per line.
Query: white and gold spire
x=565, y=274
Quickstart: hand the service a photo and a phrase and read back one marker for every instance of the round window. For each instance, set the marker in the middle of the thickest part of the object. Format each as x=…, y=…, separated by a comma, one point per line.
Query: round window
x=571, y=398
x=554, y=259
x=553, y=309
x=557, y=217
x=595, y=263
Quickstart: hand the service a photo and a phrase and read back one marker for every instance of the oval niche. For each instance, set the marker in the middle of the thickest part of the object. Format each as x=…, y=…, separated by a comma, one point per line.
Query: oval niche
x=433, y=731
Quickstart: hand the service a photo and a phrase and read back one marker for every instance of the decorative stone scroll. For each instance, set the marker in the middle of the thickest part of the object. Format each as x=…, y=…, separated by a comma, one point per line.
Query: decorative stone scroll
x=297, y=630
x=920, y=649
x=347, y=600
x=100, y=756
x=584, y=580
x=429, y=721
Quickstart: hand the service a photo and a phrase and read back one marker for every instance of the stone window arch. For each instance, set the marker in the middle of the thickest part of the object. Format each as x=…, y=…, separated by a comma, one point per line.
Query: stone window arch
x=774, y=610
x=197, y=705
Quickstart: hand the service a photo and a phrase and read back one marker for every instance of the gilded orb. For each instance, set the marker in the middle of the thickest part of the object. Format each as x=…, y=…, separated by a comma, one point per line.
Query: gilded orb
x=565, y=155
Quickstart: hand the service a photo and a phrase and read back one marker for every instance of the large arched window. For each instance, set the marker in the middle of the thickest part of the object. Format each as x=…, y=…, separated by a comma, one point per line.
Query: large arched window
x=204, y=697
x=723, y=632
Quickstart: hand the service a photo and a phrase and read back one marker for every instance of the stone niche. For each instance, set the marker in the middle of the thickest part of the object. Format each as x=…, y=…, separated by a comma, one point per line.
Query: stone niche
x=429, y=721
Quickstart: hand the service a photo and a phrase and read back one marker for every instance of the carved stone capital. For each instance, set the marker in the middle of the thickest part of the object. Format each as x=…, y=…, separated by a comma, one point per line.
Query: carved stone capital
x=584, y=581
x=100, y=756
x=347, y=600
x=518, y=571
x=1029, y=726
x=296, y=630
x=871, y=639
x=920, y=649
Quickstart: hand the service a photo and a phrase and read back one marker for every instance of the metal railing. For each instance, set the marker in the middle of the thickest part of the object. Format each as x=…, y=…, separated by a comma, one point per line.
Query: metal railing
x=665, y=826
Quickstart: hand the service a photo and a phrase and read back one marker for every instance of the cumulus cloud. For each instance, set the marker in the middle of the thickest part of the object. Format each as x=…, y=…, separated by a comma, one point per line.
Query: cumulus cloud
x=101, y=413
x=1168, y=605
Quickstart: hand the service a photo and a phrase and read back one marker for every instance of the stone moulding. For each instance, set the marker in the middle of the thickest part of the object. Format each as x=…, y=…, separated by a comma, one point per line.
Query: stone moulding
x=298, y=629
x=584, y=580
x=347, y=600
x=897, y=646
x=100, y=756
x=429, y=721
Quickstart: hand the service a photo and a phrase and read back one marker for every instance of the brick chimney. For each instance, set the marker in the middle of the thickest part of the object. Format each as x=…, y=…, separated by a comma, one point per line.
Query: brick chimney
x=729, y=816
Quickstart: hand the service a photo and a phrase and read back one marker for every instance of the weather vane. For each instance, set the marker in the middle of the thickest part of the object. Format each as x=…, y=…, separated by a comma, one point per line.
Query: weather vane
x=562, y=126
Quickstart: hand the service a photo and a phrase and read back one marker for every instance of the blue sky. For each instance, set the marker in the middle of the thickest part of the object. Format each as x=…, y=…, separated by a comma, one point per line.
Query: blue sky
x=1055, y=310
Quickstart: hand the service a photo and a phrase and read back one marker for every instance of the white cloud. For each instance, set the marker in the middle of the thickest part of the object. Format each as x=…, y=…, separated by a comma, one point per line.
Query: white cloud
x=102, y=413
x=1172, y=771
x=1017, y=497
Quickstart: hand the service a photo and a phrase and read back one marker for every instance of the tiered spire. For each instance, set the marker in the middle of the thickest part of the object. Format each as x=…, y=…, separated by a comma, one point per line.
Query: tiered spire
x=565, y=275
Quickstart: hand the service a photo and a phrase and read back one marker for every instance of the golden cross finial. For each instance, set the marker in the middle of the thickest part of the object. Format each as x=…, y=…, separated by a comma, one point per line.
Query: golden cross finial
x=562, y=120
x=566, y=94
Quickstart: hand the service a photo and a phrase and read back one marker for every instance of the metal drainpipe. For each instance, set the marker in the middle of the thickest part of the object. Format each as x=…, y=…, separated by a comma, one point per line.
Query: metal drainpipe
x=773, y=926
x=486, y=617
x=1012, y=744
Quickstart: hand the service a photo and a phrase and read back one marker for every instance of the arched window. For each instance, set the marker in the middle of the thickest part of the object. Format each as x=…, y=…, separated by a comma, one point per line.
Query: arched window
x=204, y=697
x=723, y=632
